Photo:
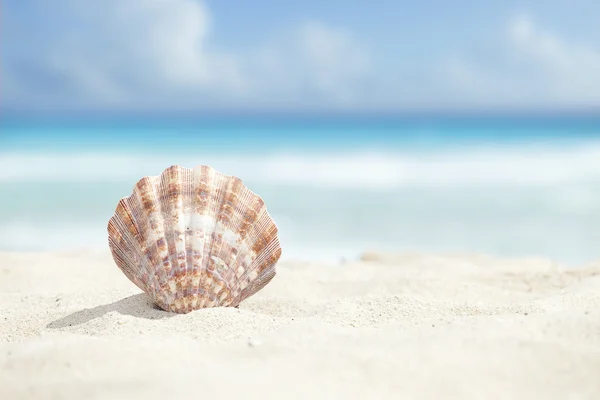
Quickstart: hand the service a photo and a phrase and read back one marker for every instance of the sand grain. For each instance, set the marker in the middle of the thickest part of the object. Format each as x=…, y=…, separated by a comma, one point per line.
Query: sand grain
x=390, y=326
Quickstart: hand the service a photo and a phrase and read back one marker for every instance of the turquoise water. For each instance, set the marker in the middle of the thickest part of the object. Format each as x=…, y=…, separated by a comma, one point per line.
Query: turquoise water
x=336, y=187
x=273, y=133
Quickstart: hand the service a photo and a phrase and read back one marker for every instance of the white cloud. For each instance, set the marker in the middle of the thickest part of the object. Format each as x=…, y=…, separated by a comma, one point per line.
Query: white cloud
x=159, y=53
x=538, y=68
x=572, y=69
x=313, y=61
x=166, y=41
x=332, y=57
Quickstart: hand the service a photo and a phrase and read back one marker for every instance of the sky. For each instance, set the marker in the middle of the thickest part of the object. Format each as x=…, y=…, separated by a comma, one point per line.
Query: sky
x=388, y=55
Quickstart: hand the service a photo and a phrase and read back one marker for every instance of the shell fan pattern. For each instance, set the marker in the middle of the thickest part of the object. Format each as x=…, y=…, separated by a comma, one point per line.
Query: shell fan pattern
x=194, y=238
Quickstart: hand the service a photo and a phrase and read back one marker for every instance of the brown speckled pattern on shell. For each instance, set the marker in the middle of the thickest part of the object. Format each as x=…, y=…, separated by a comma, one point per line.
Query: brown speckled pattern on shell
x=194, y=238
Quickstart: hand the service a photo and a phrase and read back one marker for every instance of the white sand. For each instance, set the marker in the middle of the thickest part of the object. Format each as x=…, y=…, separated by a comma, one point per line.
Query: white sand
x=410, y=326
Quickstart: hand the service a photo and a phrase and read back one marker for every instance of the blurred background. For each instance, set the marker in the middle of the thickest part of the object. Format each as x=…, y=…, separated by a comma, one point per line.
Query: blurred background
x=434, y=126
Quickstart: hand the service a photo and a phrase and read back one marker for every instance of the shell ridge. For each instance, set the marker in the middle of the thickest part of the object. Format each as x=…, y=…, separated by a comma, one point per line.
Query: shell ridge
x=181, y=209
x=114, y=241
x=270, y=248
x=206, y=266
x=190, y=272
x=262, y=225
x=136, y=260
x=143, y=204
x=248, y=201
x=139, y=212
x=222, y=268
x=267, y=251
x=131, y=206
x=237, y=247
x=199, y=203
x=257, y=284
x=122, y=258
x=229, y=220
x=167, y=206
x=260, y=268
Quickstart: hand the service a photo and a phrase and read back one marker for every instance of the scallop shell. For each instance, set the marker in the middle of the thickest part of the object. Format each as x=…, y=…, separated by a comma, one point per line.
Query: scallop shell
x=194, y=238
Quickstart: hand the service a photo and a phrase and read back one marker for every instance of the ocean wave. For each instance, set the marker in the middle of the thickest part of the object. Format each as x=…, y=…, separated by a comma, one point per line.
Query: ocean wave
x=56, y=237
x=491, y=165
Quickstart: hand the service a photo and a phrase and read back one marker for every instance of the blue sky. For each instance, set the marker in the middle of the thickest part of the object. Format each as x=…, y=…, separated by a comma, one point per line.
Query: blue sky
x=310, y=55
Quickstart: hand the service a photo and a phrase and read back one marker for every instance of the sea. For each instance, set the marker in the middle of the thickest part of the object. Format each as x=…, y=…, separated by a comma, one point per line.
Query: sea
x=508, y=186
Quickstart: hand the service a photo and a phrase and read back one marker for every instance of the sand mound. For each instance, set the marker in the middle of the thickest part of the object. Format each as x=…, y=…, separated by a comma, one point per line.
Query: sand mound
x=389, y=326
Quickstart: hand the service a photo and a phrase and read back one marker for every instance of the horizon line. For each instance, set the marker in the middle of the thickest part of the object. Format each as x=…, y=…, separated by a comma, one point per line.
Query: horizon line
x=323, y=113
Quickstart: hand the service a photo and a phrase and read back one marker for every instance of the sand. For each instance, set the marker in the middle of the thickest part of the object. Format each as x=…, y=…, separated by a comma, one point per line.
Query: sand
x=388, y=326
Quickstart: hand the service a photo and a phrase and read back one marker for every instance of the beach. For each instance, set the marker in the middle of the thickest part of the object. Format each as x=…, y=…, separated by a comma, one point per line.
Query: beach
x=388, y=325
x=458, y=261
x=428, y=184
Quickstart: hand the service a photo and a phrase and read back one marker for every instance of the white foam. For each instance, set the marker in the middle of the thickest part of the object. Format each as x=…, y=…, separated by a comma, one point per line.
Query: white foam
x=21, y=236
x=515, y=164
x=534, y=198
